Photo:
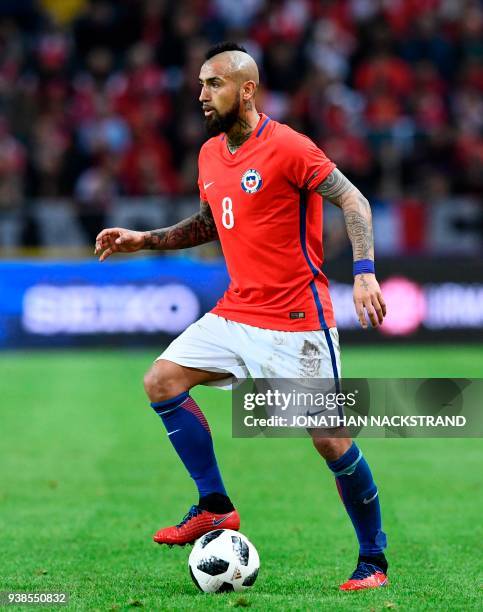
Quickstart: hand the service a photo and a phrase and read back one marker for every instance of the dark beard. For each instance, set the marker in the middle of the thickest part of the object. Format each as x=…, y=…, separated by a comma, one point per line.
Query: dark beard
x=216, y=123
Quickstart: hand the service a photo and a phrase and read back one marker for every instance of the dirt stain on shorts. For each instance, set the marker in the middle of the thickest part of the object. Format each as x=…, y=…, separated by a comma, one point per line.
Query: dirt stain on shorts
x=309, y=360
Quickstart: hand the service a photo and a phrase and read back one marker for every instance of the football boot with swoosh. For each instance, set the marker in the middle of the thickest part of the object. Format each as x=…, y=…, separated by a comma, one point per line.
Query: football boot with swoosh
x=196, y=523
x=366, y=576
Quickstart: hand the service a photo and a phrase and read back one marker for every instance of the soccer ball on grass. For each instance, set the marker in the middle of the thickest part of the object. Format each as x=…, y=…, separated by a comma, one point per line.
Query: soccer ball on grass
x=223, y=560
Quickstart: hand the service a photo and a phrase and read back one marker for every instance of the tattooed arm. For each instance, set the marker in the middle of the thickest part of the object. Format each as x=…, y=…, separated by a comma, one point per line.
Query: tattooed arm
x=358, y=219
x=195, y=230
x=357, y=213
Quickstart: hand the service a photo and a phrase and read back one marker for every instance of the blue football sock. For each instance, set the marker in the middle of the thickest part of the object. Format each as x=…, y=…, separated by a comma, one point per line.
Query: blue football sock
x=190, y=435
x=360, y=496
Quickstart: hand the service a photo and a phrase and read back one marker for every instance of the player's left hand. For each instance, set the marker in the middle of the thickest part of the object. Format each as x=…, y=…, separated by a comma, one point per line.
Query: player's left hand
x=368, y=297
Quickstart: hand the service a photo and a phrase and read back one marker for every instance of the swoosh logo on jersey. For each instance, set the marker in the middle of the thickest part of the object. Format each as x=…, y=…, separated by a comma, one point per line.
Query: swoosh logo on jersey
x=206, y=185
x=220, y=521
x=309, y=414
x=368, y=501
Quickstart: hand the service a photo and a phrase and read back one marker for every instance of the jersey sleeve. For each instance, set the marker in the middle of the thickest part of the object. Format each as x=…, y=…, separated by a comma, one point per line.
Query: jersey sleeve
x=306, y=164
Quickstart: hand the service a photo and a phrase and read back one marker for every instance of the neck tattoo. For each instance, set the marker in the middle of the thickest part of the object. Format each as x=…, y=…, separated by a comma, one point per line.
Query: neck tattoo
x=235, y=143
x=241, y=134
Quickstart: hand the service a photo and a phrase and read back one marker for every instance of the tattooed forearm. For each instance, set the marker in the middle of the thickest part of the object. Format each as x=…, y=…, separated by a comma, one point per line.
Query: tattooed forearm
x=190, y=232
x=359, y=229
x=357, y=212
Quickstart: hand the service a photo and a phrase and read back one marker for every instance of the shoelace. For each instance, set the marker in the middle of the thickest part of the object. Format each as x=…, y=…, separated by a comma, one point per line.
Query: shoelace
x=364, y=570
x=192, y=512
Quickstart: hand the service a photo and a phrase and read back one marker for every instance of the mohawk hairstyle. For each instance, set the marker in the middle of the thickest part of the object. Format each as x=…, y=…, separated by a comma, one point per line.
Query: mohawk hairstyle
x=222, y=47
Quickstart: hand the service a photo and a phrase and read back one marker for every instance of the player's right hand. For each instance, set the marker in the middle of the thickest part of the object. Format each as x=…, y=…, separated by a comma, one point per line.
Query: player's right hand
x=118, y=240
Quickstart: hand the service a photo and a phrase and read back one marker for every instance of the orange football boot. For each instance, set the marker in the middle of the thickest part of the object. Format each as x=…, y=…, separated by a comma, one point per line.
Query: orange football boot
x=196, y=523
x=365, y=576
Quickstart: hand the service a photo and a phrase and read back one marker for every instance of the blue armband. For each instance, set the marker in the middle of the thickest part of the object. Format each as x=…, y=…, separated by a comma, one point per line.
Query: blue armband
x=363, y=265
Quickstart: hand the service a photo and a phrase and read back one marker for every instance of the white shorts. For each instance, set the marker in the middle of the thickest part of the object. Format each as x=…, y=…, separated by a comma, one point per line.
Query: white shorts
x=216, y=344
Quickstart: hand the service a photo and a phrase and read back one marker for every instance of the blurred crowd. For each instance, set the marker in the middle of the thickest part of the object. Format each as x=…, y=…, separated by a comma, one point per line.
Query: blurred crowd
x=99, y=103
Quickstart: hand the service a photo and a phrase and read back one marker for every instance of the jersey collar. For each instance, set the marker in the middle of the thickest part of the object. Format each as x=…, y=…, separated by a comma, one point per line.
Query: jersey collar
x=261, y=125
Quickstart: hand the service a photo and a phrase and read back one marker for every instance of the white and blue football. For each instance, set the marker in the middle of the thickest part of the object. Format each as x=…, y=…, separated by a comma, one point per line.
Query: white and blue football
x=223, y=560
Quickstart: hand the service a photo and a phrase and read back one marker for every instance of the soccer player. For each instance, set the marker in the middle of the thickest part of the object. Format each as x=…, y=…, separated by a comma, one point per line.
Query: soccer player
x=261, y=188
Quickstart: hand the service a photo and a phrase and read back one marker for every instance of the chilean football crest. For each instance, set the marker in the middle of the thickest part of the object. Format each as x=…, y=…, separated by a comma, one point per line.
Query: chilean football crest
x=251, y=181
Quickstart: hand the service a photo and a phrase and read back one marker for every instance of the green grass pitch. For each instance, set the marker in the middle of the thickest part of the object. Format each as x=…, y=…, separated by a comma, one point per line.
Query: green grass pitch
x=87, y=475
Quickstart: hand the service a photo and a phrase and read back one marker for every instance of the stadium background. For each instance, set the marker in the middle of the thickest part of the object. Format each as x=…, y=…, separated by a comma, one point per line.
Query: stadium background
x=100, y=125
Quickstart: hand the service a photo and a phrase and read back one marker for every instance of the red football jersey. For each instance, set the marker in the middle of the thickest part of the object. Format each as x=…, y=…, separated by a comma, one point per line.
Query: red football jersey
x=269, y=221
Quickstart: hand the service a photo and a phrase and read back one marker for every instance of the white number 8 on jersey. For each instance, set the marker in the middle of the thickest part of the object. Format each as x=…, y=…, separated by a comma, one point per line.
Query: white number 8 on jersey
x=227, y=217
